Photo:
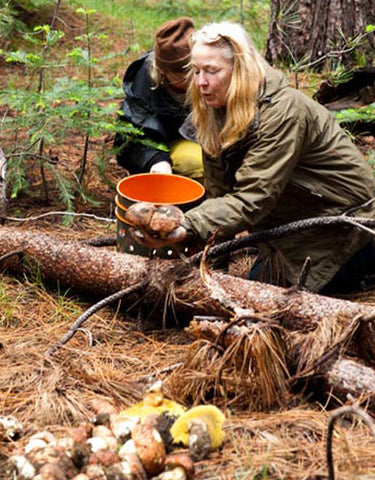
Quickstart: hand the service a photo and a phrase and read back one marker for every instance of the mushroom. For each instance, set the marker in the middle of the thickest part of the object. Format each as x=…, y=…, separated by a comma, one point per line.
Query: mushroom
x=139, y=214
x=180, y=460
x=53, y=455
x=102, y=439
x=67, y=443
x=150, y=448
x=51, y=471
x=96, y=472
x=12, y=428
x=101, y=419
x=177, y=473
x=81, y=433
x=39, y=440
x=81, y=454
x=199, y=440
x=122, y=426
x=153, y=402
x=97, y=443
x=165, y=219
x=156, y=219
x=128, y=448
x=125, y=471
x=24, y=468
x=100, y=405
x=198, y=421
x=106, y=457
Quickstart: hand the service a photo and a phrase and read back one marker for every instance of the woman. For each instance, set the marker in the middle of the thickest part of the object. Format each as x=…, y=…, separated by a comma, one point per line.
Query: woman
x=155, y=88
x=272, y=156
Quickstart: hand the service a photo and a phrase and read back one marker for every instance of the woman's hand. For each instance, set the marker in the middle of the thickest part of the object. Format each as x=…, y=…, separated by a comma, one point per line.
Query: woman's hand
x=162, y=167
x=143, y=237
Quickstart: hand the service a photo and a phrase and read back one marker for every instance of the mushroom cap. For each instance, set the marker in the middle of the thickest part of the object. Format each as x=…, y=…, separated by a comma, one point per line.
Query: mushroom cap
x=140, y=214
x=150, y=448
x=166, y=218
x=51, y=471
x=100, y=405
x=180, y=460
x=153, y=404
x=210, y=415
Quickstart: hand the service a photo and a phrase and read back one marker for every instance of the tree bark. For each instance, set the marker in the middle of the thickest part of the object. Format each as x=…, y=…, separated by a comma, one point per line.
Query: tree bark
x=347, y=379
x=314, y=30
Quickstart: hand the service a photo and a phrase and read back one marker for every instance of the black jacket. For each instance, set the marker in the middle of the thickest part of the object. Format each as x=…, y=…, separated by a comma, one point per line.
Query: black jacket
x=154, y=111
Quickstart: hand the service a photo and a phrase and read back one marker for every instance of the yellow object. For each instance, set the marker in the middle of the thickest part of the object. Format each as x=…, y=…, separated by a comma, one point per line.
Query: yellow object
x=154, y=403
x=186, y=158
x=210, y=415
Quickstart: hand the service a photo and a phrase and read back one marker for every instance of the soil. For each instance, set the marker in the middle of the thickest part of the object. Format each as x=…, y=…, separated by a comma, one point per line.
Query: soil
x=112, y=358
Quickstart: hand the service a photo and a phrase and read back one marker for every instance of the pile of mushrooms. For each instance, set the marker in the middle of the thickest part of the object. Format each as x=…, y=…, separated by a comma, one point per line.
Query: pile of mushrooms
x=123, y=445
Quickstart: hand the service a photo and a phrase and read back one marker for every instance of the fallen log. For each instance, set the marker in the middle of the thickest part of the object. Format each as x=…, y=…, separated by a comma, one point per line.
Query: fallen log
x=101, y=272
x=313, y=323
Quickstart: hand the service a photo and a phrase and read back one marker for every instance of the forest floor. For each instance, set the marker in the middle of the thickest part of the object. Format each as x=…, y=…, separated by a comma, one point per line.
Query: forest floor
x=111, y=359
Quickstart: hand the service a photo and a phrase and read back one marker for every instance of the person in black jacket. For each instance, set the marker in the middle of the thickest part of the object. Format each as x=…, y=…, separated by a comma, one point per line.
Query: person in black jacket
x=155, y=87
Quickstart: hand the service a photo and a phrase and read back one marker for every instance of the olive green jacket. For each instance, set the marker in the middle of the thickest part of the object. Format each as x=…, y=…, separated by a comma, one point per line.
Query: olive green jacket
x=296, y=162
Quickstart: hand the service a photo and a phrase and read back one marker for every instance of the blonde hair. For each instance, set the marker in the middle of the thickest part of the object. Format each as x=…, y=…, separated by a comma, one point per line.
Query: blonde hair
x=156, y=74
x=243, y=92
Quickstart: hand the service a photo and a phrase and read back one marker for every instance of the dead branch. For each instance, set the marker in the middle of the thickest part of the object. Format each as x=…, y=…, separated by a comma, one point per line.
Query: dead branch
x=101, y=241
x=3, y=187
x=286, y=230
x=326, y=371
x=331, y=423
x=60, y=213
x=10, y=254
x=90, y=311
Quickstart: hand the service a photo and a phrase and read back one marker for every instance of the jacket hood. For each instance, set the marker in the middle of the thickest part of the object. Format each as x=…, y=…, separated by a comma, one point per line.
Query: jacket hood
x=274, y=81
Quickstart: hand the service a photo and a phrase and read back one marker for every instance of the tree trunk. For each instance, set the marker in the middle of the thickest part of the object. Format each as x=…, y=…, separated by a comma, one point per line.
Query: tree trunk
x=320, y=30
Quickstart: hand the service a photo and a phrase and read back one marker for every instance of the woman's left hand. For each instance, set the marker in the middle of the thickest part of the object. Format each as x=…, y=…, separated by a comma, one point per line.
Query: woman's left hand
x=144, y=238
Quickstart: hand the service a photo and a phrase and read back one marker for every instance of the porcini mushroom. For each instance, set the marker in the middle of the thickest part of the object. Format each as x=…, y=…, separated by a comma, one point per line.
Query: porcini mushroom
x=150, y=448
x=211, y=417
x=181, y=460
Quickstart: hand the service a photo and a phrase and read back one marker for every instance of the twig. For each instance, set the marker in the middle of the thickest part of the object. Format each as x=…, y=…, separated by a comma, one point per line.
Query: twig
x=72, y=214
x=331, y=423
x=304, y=273
x=283, y=231
x=90, y=311
x=161, y=371
x=3, y=185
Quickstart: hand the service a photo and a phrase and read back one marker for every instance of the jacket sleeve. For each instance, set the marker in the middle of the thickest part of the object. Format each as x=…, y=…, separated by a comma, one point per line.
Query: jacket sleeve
x=259, y=181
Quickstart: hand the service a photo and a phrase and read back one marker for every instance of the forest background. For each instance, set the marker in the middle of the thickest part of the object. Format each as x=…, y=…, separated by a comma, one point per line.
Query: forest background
x=61, y=86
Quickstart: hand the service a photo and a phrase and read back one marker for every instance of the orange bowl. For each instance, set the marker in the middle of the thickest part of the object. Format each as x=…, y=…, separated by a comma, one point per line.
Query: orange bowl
x=159, y=189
